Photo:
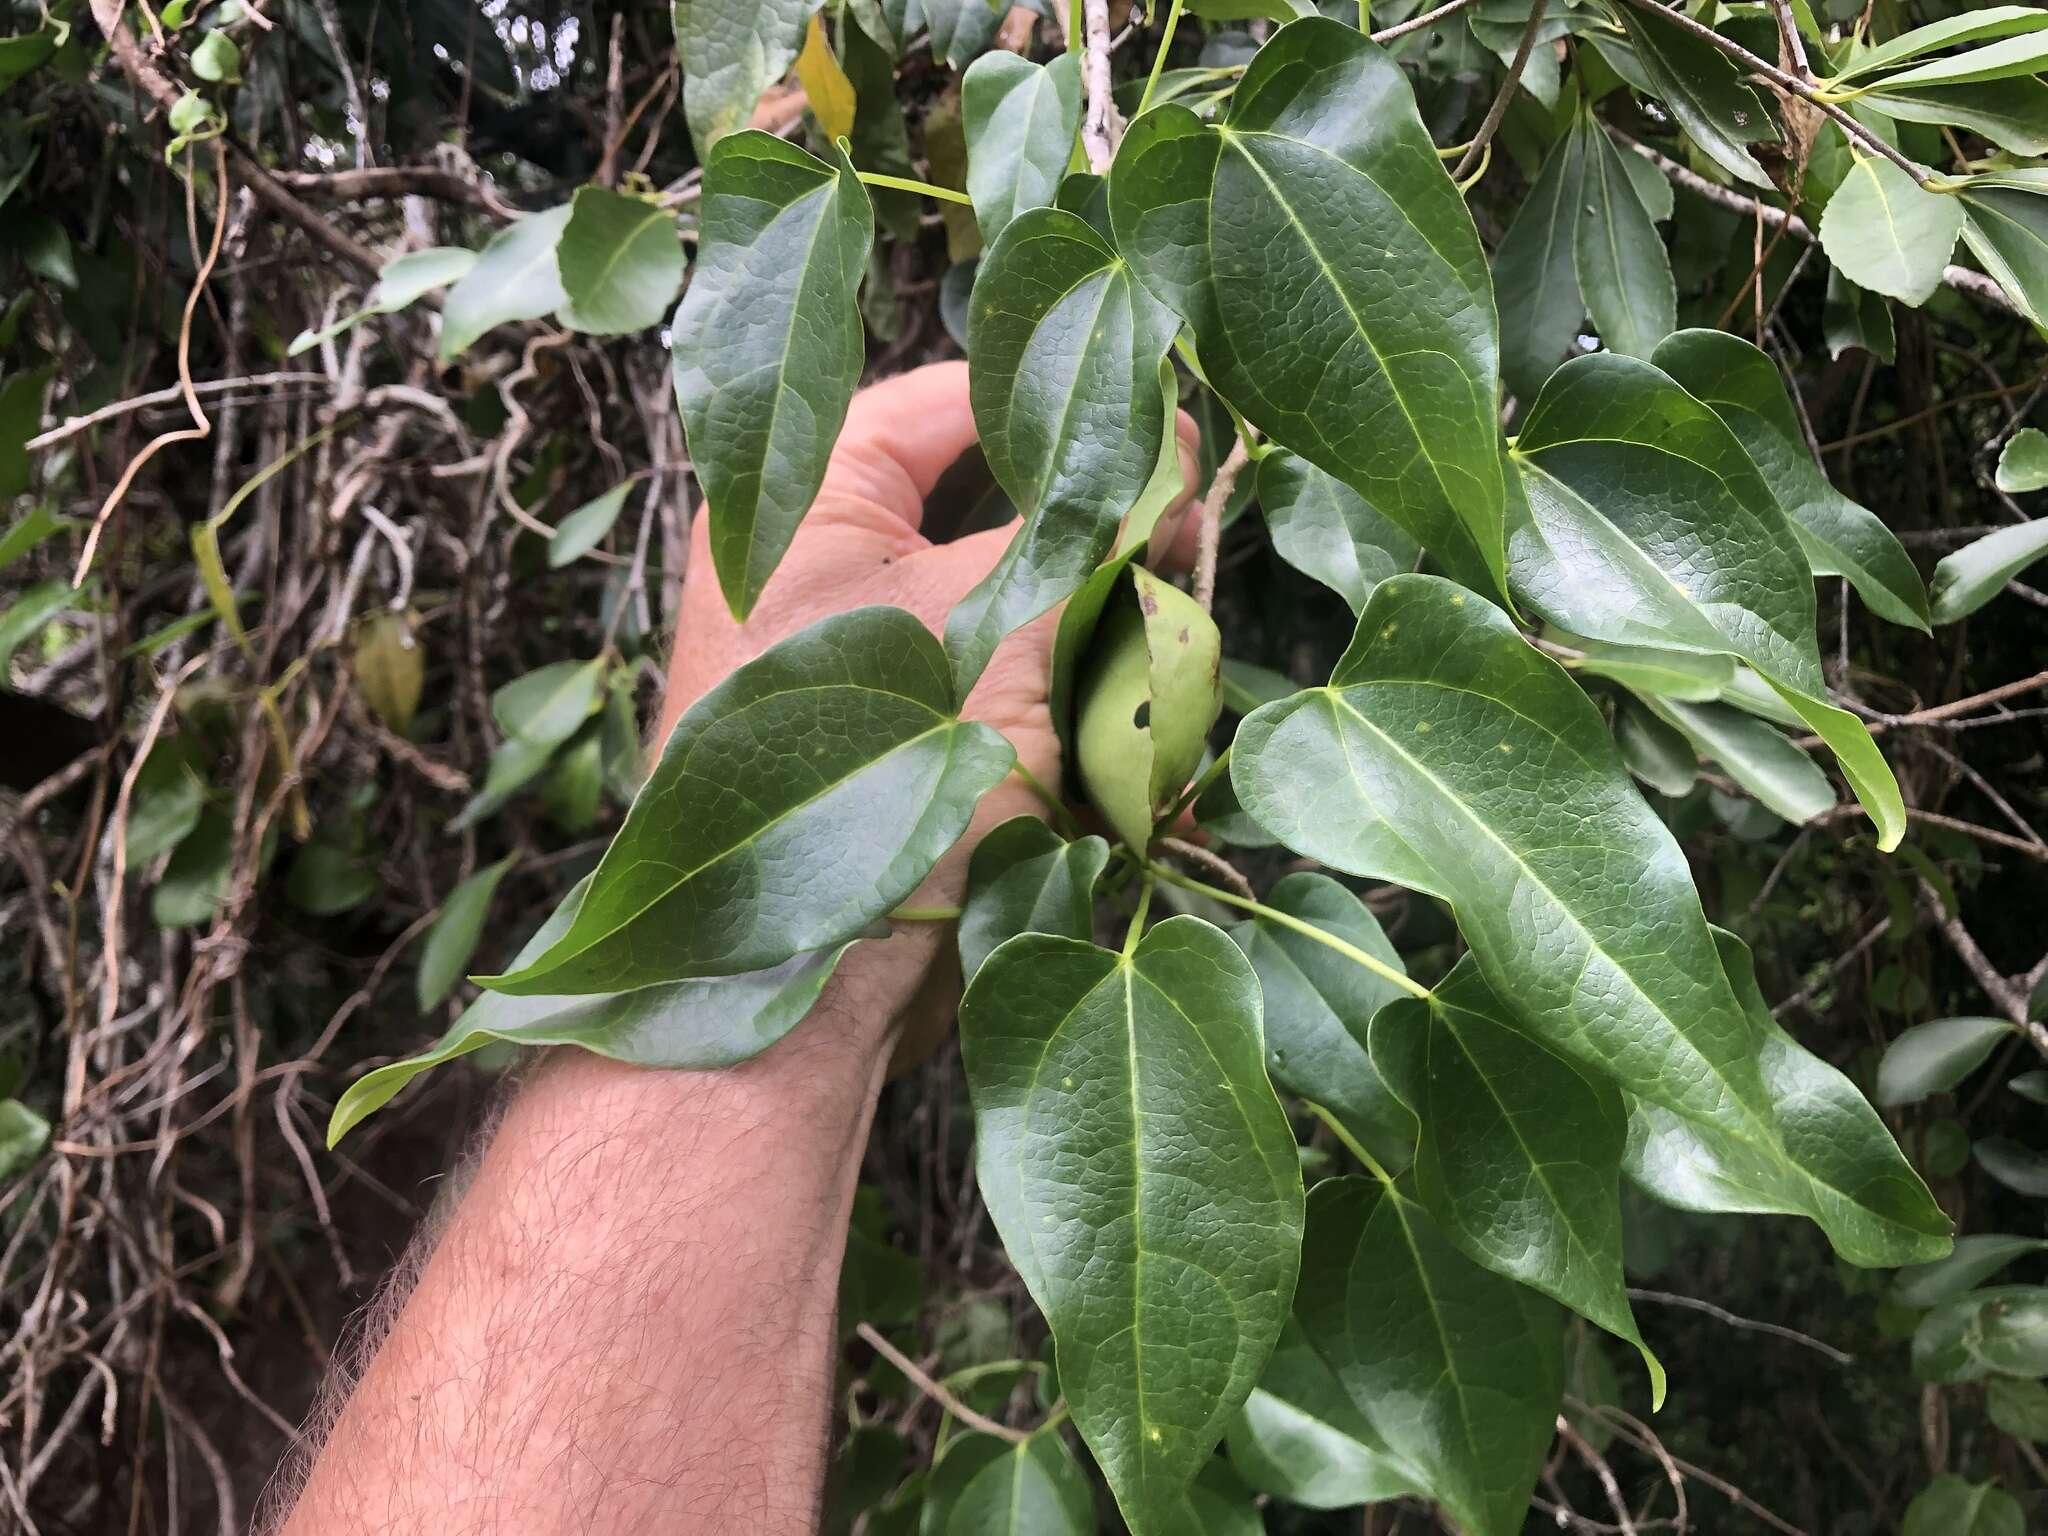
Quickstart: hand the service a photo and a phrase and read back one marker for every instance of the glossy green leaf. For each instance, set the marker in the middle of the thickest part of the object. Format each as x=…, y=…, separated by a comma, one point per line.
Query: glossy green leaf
x=1623, y=272
x=514, y=278
x=1300, y=1437
x=1457, y=1370
x=1934, y=1057
x=1064, y=349
x=2023, y=462
x=29, y=530
x=1841, y=537
x=731, y=52
x=1448, y=755
x=1151, y=692
x=28, y=615
x=23, y=1135
x=769, y=344
x=1970, y=577
x=2031, y=1086
x=1337, y=289
x=516, y=764
x=216, y=59
x=697, y=1025
x=2002, y=1330
x=2005, y=225
x=1886, y=234
x=1025, y=878
x=548, y=706
x=1655, y=751
x=2014, y=1166
x=1949, y=1506
x=2012, y=113
x=961, y=29
x=1976, y=1259
x=1648, y=670
x=1703, y=89
x=795, y=803
x=1326, y=530
x=1856, y=317
x=1319, y=1004
x=2025, y=54
x=1838, y=1156
x=1535, y=271
x=985, y=1486
x=1109, y=1092
x=1978, y=25
x=1761, y=758
x=1021, y=119
x=454, y=936
x=1520, y=1156
x=327, y=880
x=405, y=279
x=2019, y=1408
x=1648, y=524
x=620, y=263
x=575, y=786
x=584, y=529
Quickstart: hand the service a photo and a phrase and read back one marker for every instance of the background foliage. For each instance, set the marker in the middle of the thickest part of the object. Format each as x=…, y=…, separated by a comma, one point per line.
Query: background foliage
x=347, y=494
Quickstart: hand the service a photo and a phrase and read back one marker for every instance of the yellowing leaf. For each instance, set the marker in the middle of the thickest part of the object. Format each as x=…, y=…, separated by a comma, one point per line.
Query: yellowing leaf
x=832, y=95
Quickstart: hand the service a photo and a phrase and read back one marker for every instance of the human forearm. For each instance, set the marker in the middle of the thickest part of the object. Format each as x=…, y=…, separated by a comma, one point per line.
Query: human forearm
x=629, y=1323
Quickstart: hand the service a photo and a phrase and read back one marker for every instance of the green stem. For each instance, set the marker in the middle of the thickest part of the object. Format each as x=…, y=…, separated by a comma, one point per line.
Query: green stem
x=1159, y=58
x=1351, y=1144
x=1322, y=936
x=924, y=914
x=922, y=188
x=1137, y=928
x=1060, y=814
x=1196, y=790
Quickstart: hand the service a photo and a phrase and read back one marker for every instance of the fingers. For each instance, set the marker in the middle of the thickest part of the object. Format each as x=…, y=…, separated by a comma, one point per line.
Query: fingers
x=900, y=436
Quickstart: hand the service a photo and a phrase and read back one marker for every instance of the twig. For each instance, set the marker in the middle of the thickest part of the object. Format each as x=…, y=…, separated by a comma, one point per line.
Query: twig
x=936, y=1392
x=1840, y=964
x=1491, y=123
x=1100, y=125
x=1722, y=1314
x=1637, y=1434
x=1596, y=1463
x=1214, y=863
x=1792, y=45
x=1962, y=279
x=72, y=426
x=1209, y=531
x=384, y=181
x=1417, y=23
x=2011, y=1002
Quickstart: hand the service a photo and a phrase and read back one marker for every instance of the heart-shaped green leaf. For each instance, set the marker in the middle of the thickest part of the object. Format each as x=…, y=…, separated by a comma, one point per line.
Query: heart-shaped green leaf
x=1648, y=524
x=1949, y=1506
x=769, y=344
x=620, y=263
x=1025, y=878
x=1457, y=1370
x=1888, y=235
x=1841, y=537
x=1970, y=577
x=1935, y=1056
x=1623, y=271
x=1109, y=1091
x=796, y=803
x=699, y=1025
x=1064, y=349
x=1319, y=1005
x=986, y=1486
x=1021, y=119
x=1450, y=756
x=1520, y=1156
x=1325, y=529
x=731, y=52
x=513, y=278
x=1336, y=286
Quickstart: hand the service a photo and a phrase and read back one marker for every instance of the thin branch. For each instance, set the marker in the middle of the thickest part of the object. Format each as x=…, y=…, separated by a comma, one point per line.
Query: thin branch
x=936, y=1392
x=2011, y=1002
x=1790, y=43
x=1806, y=90
x=1962, y=279
x=1491, y=123
x=1417, y=23
x=260, y=381
x=1602, y=1472
x=1100, y=125
x=391, y=181
x=1209, y=531
x=1214, y=863
x=1748, y=1324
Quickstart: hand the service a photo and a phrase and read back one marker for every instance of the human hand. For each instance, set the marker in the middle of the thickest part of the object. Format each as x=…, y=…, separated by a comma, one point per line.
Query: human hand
x=860, y=544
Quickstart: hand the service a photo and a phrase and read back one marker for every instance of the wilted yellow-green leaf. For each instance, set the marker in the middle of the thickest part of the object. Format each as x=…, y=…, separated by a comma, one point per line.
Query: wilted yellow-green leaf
x=389, y=669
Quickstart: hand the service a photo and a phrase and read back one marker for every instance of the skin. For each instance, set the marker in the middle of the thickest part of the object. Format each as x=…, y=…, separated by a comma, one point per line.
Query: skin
x=627, y=1324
